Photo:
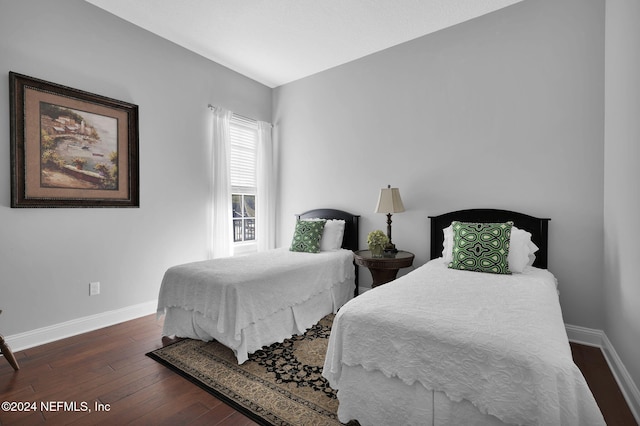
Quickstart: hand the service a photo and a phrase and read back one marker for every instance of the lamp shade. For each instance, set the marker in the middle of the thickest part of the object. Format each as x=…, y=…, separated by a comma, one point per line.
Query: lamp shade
x=389, y=201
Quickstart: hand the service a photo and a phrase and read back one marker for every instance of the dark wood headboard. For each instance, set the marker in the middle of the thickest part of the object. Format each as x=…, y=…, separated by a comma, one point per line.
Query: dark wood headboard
x=539, y=228
x=351, y=229
x=350, y=240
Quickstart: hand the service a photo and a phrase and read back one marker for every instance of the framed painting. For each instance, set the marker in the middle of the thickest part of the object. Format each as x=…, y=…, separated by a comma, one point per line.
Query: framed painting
x=71, y=148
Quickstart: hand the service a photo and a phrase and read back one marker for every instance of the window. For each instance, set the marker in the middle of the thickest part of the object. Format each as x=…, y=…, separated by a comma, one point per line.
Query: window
x=244, y=217
x=244, y=139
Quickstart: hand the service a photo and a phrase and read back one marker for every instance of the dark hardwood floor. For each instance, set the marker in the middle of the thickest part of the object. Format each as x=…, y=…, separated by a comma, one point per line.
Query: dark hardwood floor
x=604, y=387
x=107, y=369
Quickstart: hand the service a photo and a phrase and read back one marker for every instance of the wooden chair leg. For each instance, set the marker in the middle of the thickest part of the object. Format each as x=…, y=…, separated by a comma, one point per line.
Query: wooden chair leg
x=8, y=354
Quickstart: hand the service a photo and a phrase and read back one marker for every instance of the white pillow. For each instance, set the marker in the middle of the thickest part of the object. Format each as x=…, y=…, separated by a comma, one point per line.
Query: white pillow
x=521, y=248
x=447, y=244
x=532, y=249
x=332, y=234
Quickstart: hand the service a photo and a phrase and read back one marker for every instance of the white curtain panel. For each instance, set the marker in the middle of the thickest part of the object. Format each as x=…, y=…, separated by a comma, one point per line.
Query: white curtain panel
x=221, y=238
x=266, y=191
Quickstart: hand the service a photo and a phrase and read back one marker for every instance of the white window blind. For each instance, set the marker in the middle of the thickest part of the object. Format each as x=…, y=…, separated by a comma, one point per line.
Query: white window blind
x=244, y=143
x=244, y=137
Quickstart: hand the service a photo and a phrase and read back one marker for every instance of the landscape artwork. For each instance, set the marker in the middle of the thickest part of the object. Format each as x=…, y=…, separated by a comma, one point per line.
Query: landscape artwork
x=71, y=148
x=78, y=149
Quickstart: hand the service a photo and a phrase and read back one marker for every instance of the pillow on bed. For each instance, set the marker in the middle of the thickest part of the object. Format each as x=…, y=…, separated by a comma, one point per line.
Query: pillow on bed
x=481, y=247
x=532, y=257
x=521, y=248
x=332, y=234
x=447, y=253
x=306, y=237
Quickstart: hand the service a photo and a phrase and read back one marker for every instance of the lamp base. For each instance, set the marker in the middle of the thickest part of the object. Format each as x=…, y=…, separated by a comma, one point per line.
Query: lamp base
x=390, y=250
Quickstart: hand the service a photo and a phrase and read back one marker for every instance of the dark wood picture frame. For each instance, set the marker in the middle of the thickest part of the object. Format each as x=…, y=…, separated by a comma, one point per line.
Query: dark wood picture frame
x=71, y=148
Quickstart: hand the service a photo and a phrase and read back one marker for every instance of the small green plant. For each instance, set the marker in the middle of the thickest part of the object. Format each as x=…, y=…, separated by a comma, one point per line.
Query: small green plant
x=377, y=238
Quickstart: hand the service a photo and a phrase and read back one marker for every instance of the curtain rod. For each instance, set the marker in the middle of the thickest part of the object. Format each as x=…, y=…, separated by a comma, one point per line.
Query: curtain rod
x=212, y=107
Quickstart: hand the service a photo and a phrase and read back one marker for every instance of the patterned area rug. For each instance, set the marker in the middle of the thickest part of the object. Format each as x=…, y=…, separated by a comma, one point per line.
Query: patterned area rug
x=278, y=385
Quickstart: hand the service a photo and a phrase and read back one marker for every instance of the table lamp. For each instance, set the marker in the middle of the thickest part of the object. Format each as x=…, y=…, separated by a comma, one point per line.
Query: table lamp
x=389, y=202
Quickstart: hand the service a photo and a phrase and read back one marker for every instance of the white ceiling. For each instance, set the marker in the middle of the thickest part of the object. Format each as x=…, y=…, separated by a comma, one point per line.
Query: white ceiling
x=279, y=41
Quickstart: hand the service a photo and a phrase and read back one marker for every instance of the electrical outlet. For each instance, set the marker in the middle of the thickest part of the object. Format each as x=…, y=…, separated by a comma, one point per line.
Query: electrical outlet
x=94, y=288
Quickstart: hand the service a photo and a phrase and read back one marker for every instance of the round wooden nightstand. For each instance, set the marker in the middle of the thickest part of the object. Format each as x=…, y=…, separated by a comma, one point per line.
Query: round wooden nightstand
x=383, y=269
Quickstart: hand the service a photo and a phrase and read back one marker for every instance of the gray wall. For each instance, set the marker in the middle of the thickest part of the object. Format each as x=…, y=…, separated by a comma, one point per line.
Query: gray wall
x=49, y=256
x=622, y=177
x=503, y=111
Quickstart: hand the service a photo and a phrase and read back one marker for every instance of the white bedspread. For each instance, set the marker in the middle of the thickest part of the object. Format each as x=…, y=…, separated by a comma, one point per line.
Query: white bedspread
x=238, y=291
x=497, y=341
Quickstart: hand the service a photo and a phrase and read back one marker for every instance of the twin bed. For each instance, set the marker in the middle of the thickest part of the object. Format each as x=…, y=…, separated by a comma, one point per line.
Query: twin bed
x=248, y=302
x=447, y=346
x=438, y=346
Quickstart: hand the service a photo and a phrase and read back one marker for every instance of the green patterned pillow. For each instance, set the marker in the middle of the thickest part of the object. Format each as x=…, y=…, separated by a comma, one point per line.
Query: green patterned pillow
x=481, y=247
x=306, y=237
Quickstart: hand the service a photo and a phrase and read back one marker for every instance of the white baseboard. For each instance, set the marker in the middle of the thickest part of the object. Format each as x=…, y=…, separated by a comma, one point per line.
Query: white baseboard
x=51, y=333
x=585, y=336
x=598, y=338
